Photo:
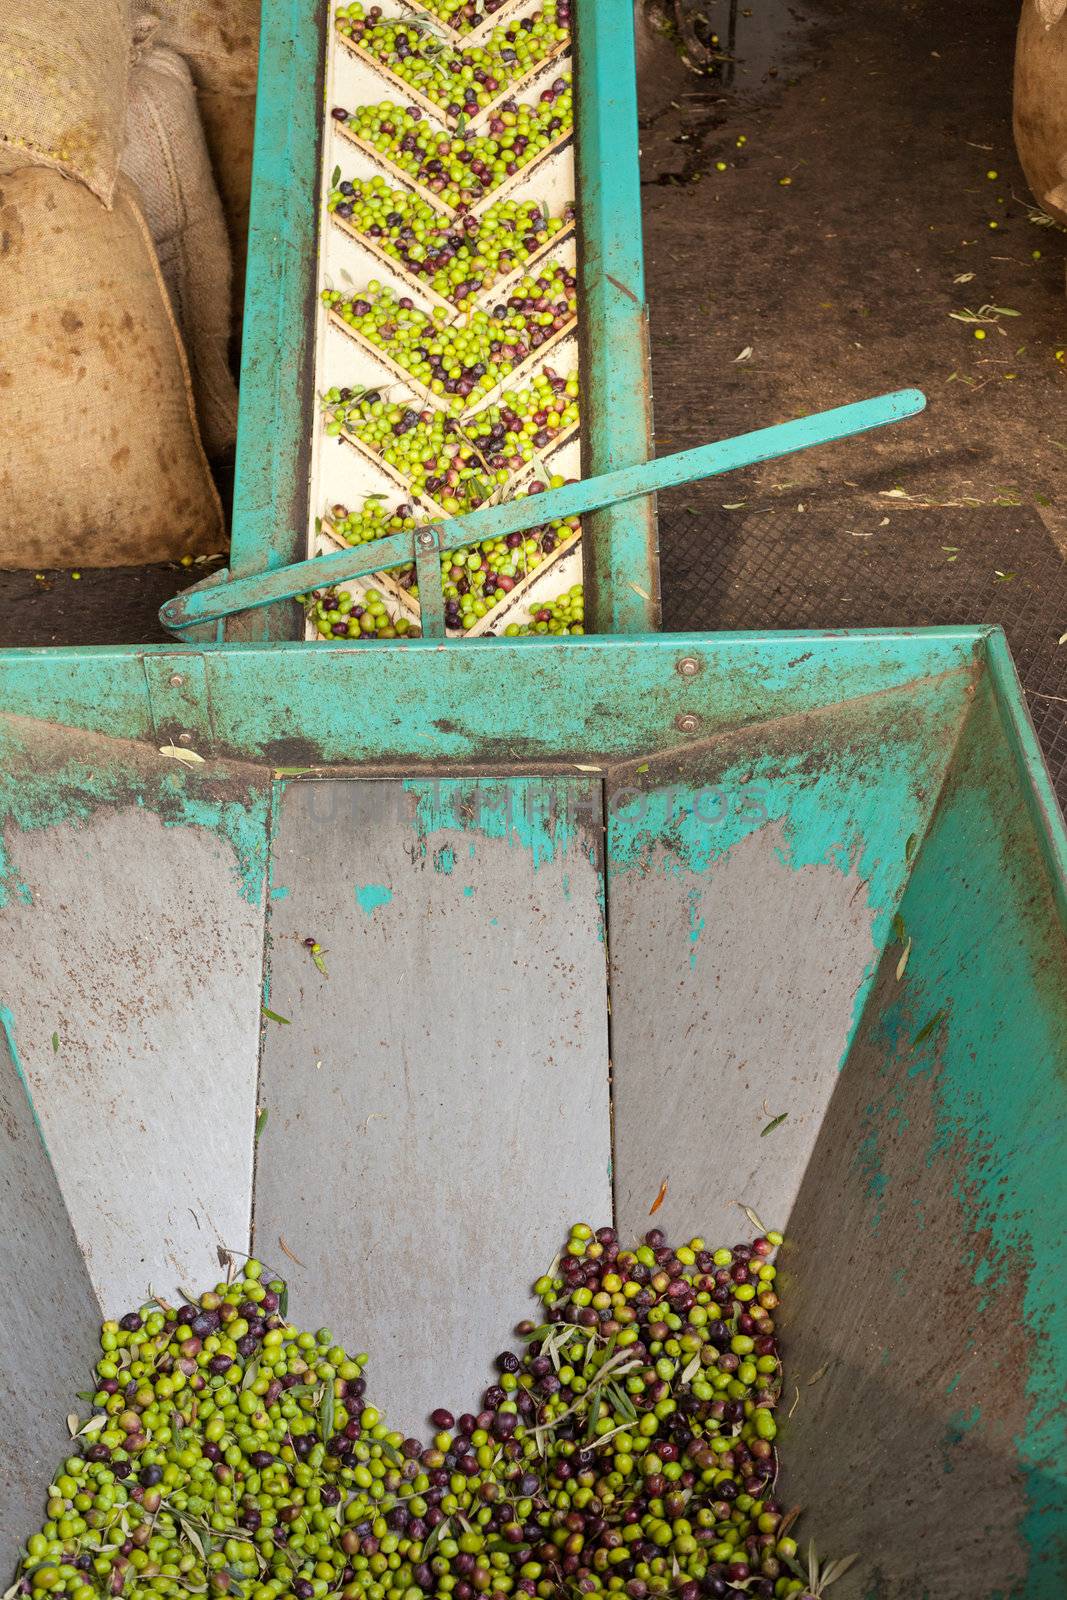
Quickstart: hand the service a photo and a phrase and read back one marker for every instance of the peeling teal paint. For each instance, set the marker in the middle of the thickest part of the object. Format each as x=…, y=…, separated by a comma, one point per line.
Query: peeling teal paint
x=69, y=794
x=868, y=1161
x=279, y=893
x=989, y=962
x=539, y=815
x=848, y=803
x=11, y=885
x=468, y=892
x=372, y=895
x=696, y=927
x=957, y=1427
x=7, y=1027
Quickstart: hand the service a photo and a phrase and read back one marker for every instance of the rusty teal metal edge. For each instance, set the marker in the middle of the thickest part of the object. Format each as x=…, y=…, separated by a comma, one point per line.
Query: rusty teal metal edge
x=1042, y=804
x=990, y=1054
x=272, y=469
x=427, y=702
x=621, y=547
x=223, y=593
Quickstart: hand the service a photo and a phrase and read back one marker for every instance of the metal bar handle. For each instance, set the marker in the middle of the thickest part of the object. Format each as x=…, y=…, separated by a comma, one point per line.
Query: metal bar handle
x=221, y=596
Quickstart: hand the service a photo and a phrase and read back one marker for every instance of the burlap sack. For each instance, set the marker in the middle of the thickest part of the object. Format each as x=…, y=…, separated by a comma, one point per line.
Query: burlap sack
x=100, y=460
x=63, y=75
x=1040, y=102
x=218, y=38
x=229, y=125
x=166, y=157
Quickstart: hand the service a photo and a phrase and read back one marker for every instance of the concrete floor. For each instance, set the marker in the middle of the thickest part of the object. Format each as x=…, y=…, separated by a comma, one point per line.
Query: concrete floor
x=816, y=208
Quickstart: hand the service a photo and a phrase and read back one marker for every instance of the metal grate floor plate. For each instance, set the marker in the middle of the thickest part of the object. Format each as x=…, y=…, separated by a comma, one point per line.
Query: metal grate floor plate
x=833, y=566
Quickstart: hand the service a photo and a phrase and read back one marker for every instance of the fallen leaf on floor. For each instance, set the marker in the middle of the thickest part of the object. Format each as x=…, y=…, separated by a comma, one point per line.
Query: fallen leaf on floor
x=745, y=354
x=175, y=752
x=902, y=964
x=775, y=1122
x=964, y=277
x=658, y=1201
x=1062, y=639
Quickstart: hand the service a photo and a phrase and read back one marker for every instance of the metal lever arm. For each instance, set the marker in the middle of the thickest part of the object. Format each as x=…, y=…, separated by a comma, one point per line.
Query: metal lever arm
x=221, y=596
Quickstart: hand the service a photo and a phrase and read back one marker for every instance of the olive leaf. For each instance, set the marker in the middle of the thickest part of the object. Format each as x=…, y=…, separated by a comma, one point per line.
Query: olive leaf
x=752, y=1217
x=192, y=1536
x=188, y=758
x=335, y=177
x=909, y=846
x=326, y=1413
x=775, y=1122
x=837, y=1569
x=693, y=1367
x=273, y=1016
x=902, y=964
x=283, y=1302
x=261, y=1123
x=72, y=1424
x=94, y=1425
x=434, y=1538
x=55, y=1044
x=925, y=1032
x=251, y=1373
x=620, y=1401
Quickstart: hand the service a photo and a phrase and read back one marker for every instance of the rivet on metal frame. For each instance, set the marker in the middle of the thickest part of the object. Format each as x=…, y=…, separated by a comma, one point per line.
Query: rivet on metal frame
x=689, y=666
x=687, y=722
x=427, y=539
x=176, y=680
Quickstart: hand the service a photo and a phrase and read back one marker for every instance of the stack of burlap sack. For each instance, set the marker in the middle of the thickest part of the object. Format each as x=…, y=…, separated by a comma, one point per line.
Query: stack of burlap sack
x=1040, y=102
x=121, y=124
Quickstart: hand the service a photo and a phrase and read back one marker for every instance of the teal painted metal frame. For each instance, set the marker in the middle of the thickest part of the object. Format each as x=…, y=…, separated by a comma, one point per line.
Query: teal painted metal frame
x=505, y=704
x=621, y=545
x=277, y=356
x=224, y=593
x=277, y=398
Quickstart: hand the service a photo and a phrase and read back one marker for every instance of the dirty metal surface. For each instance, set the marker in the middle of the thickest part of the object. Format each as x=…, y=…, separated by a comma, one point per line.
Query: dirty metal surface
x=944, y=1143
x=834, y=565
x=47, y=1328
x=792, y=838
x=131, y=932
x=898, y=775
x=438, y=1104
